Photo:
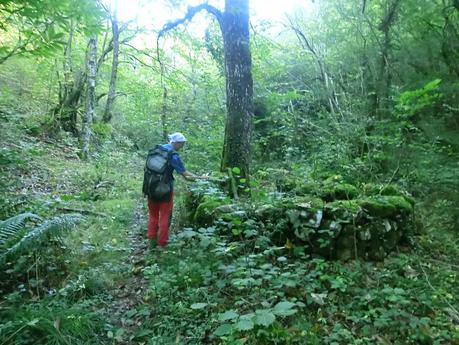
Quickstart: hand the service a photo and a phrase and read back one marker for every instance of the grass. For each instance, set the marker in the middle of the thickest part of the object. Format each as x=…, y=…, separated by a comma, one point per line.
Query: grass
x=74, y=306
x=406, y=299
x=208, y=286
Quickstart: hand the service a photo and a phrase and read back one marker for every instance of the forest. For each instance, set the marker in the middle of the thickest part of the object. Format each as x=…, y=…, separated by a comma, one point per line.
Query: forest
x=323, y=137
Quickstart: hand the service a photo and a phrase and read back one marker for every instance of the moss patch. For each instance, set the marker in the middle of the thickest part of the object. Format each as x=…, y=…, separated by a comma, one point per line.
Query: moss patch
x=385, y=206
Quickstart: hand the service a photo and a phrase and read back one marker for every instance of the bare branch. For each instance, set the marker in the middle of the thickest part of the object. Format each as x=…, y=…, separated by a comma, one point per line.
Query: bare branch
x=192, y=10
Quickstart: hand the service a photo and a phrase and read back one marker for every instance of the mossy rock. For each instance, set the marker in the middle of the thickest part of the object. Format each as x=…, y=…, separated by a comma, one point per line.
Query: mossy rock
x=308, y=202
x=350, y=205
x=279, y=208
x=308, y=188
x=338, y=191
x=349, y=245
x=371, y=189
x=385, y=206
x=344, y=210
x=205, y=213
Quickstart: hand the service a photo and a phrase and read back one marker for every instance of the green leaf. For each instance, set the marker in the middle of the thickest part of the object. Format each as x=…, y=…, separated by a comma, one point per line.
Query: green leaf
x=284, y=308
x=197, y=306
x=319, y=298
x=264, y=317
x=243, y=180
x=33, y=322
x=224, y=329
x=244, y=325
x=236, y=170
x=254, y=183
x=236, y=231
x=228, y=315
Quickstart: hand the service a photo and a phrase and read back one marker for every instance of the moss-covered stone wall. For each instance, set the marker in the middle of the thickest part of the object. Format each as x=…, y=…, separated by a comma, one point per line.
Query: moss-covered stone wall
x=330, y=218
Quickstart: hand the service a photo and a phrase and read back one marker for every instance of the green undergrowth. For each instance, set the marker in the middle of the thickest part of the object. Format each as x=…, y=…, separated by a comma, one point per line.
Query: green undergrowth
x=227, y=280
x=250, y=291
x=61, y=293
x=231, y=281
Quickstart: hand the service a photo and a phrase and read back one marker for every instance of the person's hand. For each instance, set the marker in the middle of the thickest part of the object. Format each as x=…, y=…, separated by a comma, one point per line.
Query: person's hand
x=205, y=176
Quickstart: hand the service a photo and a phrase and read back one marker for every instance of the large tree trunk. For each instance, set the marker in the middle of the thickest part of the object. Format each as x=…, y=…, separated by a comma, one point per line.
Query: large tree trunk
x=66, y=112
x=385, y=73
x=108, y=113
x=90, y=96
x=234, y=24
x=239, y=86
x=450, y=42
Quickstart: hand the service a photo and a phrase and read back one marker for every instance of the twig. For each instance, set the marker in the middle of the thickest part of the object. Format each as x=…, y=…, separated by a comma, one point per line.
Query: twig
x=82, y=211
x=444, y=299
x=443, y=262
x=392, y=178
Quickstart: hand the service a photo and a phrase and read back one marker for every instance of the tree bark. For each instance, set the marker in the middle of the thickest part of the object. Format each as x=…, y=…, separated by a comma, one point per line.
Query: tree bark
x=239, y=86
x=450, y=41
x=385, y=73
x=234, y=24
x=108, y=112
x=90, y=96
x=66, y=112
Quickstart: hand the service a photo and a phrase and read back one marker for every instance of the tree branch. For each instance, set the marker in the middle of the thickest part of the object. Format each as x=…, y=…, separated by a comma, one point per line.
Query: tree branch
x=192, y=10
x=389, y=17
x=109, y=47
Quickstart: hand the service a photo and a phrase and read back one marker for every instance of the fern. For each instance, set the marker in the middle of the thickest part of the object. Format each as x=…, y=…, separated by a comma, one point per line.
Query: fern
x=34, y=239
x=10, y=229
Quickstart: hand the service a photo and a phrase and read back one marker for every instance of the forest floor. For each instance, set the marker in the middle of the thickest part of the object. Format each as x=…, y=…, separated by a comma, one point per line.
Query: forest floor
x=130, y=294
x=102, y=285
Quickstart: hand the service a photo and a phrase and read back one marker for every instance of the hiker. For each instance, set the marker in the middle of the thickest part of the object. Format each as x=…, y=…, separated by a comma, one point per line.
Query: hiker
x=160, y=204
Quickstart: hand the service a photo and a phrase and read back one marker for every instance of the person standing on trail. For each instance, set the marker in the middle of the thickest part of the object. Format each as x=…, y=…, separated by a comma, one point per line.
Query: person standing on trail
x=160, y=197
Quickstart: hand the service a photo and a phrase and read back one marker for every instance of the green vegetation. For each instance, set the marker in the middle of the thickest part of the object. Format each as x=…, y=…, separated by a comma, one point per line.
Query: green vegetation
x=341, y=228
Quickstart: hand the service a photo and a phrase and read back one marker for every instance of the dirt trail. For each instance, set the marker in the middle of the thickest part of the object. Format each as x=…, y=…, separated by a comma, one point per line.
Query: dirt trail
x=129, y=295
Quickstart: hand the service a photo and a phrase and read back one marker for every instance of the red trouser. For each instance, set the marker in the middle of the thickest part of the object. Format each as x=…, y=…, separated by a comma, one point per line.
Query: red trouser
x=160, y=213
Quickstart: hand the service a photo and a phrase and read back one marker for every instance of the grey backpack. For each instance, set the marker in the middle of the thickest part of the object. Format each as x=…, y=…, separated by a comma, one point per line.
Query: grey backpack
x=157, y=184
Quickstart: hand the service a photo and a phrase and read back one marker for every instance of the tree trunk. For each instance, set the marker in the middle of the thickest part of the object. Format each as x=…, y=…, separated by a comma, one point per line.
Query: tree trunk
x=450, y=41
x=327, y=81
x=90, y=96
x=234, y=24
x=108, y=113
x=239, y=86
x=66, y=112
x=385, y=77
x=164, y=114
x=385, y=74
x=68, y=82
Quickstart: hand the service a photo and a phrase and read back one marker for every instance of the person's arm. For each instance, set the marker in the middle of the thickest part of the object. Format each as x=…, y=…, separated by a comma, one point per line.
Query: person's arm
x=189, y=176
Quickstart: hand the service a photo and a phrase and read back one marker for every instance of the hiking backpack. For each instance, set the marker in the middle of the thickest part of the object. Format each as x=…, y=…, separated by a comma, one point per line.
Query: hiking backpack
x=156, y=178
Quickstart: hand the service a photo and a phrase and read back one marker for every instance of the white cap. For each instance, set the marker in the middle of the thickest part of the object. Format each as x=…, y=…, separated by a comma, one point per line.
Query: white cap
x=177, y=138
